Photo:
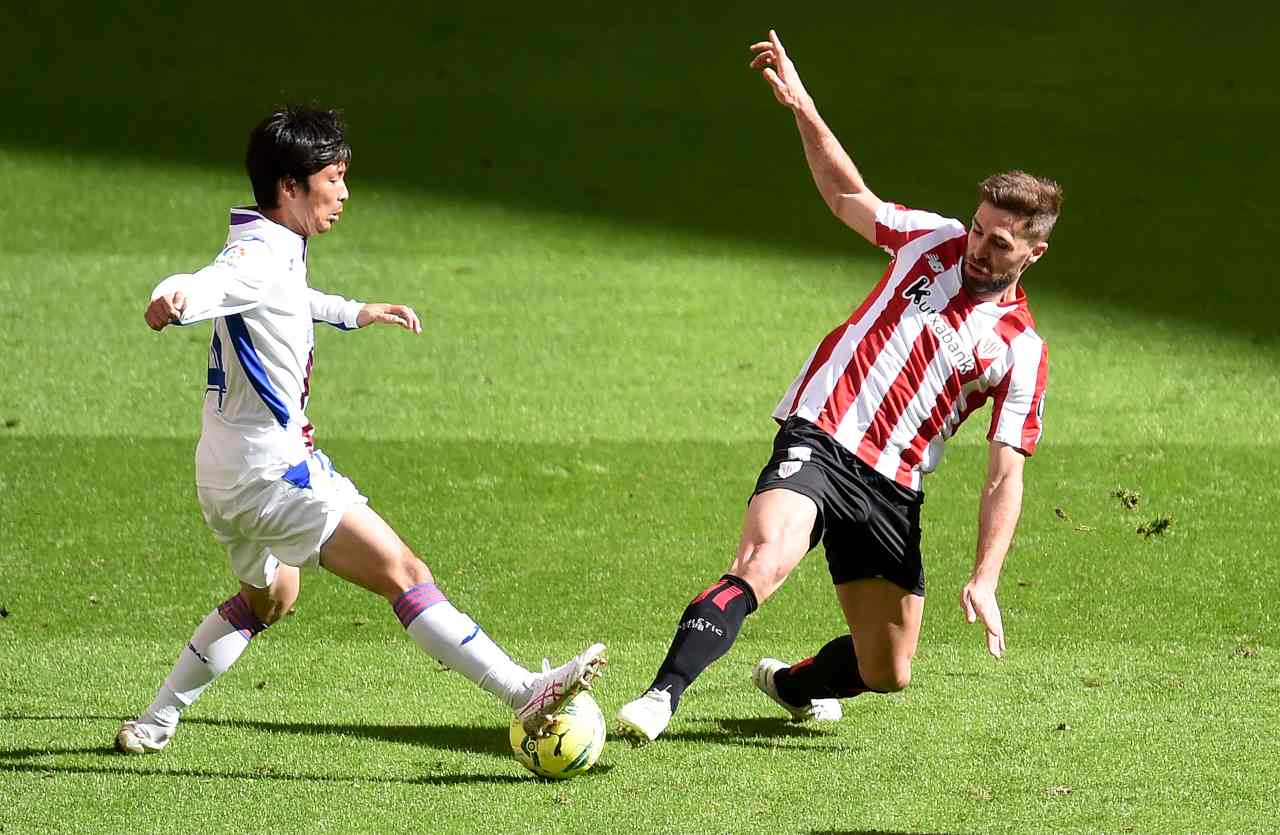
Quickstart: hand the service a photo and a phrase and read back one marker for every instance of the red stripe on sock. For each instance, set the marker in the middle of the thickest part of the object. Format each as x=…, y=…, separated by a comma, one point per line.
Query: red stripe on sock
x=710, y=590
x=725, y=597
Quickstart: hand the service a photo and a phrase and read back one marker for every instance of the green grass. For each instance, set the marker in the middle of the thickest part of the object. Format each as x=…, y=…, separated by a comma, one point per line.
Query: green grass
x=612, y=304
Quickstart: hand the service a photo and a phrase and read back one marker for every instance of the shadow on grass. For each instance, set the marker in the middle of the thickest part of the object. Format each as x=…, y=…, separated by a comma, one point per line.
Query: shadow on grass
x=448, y=737
x=470, y=738
x=642, y=121
x=760, y=733
x=868, y=832
x=109, y=755
x=476, y=740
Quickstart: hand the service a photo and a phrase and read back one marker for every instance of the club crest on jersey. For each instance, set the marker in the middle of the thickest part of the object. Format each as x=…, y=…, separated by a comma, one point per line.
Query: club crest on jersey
x=989, y=347
x=789, y=468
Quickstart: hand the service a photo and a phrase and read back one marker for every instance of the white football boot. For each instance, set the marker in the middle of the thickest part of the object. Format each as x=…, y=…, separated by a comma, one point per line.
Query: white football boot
x=646, y=717
x=818, y=710
x=551, y=689
x=138, y=737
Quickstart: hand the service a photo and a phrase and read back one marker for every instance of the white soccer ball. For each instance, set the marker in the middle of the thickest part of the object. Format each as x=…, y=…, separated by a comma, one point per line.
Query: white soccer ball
x=571, y=745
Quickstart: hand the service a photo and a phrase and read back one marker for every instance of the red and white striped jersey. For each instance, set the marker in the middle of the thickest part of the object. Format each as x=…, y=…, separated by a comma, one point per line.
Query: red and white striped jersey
x=919, y=355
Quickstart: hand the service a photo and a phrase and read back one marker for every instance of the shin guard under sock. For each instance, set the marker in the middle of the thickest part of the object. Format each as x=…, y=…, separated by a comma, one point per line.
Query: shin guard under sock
x=706, y=630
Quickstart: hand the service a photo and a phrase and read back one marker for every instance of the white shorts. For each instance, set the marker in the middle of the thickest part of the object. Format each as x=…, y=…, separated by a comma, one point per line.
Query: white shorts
x=263, y=523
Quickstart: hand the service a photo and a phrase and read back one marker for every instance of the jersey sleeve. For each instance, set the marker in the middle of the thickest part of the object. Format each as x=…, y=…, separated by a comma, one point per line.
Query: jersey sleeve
x=235, y=282
x=1017, y=414
x=897, y=226
x=334, y=310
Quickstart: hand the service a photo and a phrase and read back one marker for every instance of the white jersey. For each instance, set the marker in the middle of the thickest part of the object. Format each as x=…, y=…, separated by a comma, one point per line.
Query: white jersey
x=255, y=424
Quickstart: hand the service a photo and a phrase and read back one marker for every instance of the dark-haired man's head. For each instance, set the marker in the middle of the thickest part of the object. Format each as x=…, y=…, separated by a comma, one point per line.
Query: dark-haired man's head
x=297, y=162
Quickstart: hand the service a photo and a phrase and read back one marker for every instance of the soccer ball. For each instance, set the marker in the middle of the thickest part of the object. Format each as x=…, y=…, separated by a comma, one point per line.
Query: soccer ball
x=572, y=742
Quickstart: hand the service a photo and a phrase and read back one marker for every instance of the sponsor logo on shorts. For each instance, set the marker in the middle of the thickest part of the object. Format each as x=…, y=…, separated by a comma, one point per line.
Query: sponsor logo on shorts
x=799, y=453
x=789, y=468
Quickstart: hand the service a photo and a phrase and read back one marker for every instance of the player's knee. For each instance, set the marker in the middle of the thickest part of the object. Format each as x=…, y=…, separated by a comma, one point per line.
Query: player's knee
x=272, y=609
x=403, y=570
x=888, y=677
x=415, y=570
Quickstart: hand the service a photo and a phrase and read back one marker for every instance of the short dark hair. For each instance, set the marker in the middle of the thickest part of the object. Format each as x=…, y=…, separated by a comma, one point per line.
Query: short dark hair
x=294, y=142
x=1035, y=198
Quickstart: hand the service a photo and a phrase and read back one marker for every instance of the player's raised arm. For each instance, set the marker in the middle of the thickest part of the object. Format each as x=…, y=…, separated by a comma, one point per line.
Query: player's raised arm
x=833, y=171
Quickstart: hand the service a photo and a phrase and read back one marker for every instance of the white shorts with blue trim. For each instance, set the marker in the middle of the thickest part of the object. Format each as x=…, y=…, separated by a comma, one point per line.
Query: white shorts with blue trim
x=263, y=523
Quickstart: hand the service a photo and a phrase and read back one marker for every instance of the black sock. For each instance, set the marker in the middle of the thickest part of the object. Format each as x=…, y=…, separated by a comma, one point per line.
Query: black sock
x=831, y=674
x=707, y=629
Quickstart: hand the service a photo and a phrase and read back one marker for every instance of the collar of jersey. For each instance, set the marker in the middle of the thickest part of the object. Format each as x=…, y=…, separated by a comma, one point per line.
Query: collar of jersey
x=248, y=221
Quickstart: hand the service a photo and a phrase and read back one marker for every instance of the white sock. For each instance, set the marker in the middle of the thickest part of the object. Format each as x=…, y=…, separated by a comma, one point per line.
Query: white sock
x=218, y=641
x=459, y=643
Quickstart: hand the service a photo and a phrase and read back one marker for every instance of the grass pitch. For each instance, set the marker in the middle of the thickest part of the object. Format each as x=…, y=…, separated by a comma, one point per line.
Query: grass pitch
x=612, y=240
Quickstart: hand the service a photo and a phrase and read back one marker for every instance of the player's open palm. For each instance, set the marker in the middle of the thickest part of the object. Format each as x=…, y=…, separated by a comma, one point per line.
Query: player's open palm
x=778, y=71
x=978, y=602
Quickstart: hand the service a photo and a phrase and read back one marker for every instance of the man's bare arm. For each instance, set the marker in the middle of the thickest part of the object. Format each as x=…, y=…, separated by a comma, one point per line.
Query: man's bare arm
x=837, y=178
x=997, y=520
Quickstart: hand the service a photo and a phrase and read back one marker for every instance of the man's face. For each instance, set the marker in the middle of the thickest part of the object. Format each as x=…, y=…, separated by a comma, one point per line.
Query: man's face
x=996, y=252
x=314, y=210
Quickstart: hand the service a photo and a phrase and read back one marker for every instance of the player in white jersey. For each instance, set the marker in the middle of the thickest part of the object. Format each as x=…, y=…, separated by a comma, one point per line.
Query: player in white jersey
x=271, y=498
x=946, y=329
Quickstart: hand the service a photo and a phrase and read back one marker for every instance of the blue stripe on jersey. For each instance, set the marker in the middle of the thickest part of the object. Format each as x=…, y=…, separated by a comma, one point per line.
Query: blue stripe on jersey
x=217, y=379
x=299, y=475
x=252, y=365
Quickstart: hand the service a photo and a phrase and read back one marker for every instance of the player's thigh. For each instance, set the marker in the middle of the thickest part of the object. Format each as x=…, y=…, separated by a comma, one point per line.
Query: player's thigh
x=884, y=619
x=776, y=534
x=364, y=550
x=267, y=523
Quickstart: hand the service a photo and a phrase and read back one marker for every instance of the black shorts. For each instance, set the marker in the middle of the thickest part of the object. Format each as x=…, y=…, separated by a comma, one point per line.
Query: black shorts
x=868, y=524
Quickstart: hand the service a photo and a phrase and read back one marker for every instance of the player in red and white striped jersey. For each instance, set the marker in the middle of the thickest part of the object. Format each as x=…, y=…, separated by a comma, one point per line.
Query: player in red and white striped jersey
x=945, y=330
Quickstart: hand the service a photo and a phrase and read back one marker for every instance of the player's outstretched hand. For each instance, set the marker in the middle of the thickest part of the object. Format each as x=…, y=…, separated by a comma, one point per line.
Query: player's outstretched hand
x=779, y=72
x=389, y=314
x=165, y=310
x=979, y=601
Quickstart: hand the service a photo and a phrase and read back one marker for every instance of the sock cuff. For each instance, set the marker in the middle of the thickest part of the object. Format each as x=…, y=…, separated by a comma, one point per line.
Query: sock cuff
x=415, y=601
x=743, y=588
x=236, y=611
